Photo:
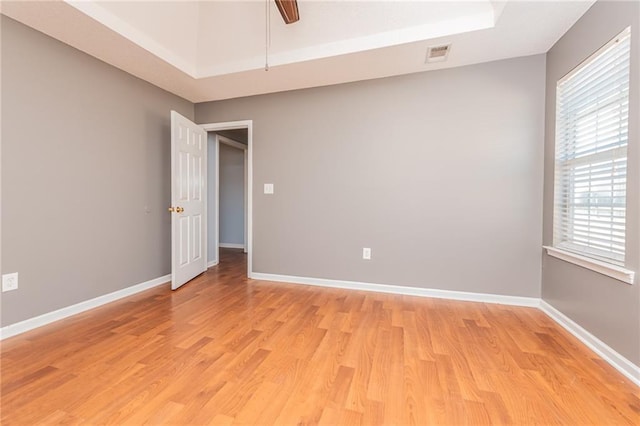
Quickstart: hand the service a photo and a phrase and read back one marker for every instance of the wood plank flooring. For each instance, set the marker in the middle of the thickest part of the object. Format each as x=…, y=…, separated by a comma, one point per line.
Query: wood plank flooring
x=227, y=350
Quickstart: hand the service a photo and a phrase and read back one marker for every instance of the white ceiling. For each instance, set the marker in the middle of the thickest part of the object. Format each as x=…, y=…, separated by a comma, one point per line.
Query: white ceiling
x=212, y=50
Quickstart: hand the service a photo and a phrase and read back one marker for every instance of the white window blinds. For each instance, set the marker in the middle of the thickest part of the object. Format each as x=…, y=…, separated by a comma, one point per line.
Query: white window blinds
x=592, y=111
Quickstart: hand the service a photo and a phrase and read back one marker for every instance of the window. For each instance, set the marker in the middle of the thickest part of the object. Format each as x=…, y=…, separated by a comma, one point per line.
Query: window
x=592, y=111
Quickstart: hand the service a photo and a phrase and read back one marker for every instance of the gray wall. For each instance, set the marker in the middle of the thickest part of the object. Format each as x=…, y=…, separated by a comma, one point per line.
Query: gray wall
x=85, y=175
x=440, y=173
x=608, y=308
x=231, y=195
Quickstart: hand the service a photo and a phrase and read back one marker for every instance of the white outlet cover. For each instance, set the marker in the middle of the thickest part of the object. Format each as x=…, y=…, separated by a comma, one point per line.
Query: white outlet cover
x=10, y=282
x=268, y=188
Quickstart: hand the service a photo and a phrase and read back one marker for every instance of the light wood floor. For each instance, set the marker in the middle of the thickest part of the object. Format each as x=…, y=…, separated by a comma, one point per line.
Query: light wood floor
x=227, y=350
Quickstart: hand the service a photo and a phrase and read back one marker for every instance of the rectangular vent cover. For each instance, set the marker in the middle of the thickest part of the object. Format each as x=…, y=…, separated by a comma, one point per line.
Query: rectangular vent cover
x=438, y=53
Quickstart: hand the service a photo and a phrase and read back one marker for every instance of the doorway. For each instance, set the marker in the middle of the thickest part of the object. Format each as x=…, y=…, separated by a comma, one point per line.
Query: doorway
x=228, y=207
x=229, y=186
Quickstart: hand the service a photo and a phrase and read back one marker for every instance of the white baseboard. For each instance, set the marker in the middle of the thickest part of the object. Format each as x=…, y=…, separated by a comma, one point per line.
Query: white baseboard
x=39, y=321
x=212, y=263
x=231, y=245
x=408, y=291
x=620, y=363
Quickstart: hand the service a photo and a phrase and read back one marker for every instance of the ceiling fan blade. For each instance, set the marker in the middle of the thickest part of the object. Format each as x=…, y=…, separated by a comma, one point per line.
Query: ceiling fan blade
x=289, y=10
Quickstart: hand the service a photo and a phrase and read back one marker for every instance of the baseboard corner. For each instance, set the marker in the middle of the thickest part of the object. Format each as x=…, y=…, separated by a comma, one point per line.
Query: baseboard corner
x=606, y=352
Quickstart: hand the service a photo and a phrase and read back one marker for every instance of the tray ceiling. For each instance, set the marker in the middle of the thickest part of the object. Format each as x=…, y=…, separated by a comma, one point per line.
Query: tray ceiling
x=212, y=50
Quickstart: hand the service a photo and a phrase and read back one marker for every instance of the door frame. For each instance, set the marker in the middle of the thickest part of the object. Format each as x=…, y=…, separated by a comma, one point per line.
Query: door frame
x=216, y=222
x=231, y=125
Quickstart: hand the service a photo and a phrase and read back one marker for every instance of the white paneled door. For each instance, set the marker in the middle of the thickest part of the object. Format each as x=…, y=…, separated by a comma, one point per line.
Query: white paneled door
x=188, y=203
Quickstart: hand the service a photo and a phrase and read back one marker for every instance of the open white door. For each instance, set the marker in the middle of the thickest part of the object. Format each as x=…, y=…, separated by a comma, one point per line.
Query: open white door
x=188, y=200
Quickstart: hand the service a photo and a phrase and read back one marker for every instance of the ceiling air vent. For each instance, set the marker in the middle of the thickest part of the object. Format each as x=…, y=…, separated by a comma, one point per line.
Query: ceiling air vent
x=438, y=53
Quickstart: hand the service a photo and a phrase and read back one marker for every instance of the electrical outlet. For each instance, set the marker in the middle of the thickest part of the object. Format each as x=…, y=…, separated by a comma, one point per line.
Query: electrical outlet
x=366, y=253
x=10, y=282
x=268, y=188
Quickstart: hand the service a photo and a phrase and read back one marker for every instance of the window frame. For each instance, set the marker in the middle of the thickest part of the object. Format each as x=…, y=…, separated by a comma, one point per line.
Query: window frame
x=565, y=245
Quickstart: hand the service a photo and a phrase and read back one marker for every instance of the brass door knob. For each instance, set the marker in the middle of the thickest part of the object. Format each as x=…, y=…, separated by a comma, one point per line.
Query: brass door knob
x=179, y=209
x=171, y=209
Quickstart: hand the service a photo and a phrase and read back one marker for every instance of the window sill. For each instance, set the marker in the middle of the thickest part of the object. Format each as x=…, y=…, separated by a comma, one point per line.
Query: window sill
x=613, y=271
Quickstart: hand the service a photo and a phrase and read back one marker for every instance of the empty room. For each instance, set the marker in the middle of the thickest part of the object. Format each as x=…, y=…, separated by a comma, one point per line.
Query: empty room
x=283, y=212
